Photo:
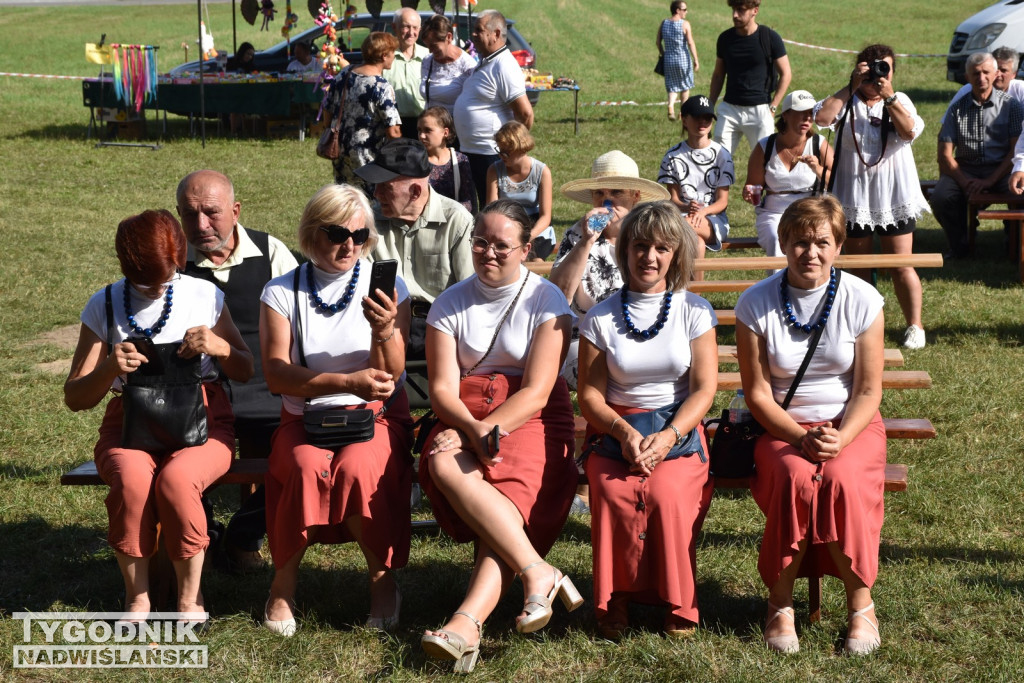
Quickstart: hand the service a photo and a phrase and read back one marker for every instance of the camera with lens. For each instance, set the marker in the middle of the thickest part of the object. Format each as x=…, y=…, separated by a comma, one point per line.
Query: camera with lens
x=878, y=69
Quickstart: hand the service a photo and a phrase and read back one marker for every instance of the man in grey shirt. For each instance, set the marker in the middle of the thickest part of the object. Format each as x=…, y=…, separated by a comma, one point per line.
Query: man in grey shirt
x=976, y=144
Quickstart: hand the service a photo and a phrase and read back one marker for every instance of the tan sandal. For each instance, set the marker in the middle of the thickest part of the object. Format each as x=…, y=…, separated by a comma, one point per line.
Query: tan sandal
x=538, y=607
x=861, y=646
x=450, y=645
x=788, y=644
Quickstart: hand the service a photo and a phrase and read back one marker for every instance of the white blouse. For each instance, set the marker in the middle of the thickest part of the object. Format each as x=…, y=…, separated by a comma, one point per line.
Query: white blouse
x=470, y=311
x=886, y=192
x=787, y=185
x=825, y=387
x=445, y=79
x=339, y=342
x=195, y=302
x=648, y=373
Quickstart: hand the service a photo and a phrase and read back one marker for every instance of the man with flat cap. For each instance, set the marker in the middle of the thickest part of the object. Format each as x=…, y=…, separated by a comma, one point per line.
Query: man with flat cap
x=426, y=232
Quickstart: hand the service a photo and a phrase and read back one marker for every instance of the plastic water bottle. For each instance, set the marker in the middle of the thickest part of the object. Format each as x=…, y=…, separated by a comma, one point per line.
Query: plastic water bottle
x=600, y=221
x=738, y=410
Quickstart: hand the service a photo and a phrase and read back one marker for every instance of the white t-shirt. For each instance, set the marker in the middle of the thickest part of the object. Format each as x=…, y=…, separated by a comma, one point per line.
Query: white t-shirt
x=445, y=79
x=825, y=387
x=295, y=66
x=699, y=173
x=470, y=311
x=195, y=302
x=336, y=343
x=648, y=373
x=1018, y=156
x=484, y=105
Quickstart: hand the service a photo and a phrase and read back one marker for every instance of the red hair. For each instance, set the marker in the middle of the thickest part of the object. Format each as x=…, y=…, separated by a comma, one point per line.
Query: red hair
x=150, y=247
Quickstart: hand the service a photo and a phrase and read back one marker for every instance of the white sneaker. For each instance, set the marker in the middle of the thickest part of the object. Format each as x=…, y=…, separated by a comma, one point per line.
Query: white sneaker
x=913, y=338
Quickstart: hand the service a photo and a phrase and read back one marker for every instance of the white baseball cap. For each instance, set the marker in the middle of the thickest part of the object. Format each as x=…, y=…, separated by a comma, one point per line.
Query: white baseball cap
x=798, y=100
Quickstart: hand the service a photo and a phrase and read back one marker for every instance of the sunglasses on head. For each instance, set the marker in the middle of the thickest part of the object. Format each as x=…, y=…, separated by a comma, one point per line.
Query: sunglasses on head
x=338, y=234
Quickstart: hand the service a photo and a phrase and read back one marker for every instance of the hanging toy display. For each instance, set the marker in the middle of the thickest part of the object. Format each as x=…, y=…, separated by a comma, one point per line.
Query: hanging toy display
x=268, y=11
x=350, y=17
x=290, y=19
x=206, y=49
x=331, y=58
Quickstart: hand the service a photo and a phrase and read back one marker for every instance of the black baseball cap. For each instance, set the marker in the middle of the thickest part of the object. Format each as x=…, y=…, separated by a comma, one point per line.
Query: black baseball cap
x=397, y=157
x=697, y=105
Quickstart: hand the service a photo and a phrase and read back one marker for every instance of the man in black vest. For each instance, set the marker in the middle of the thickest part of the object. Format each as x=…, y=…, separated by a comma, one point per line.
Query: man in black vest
x=240, y=262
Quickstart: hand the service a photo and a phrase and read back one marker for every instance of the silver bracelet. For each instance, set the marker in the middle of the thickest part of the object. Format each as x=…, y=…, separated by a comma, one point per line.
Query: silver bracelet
x=386, y=339
x=679, y=435
x=610, y=429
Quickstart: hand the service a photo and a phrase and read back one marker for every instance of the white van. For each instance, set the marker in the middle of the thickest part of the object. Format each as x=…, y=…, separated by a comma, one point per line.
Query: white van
x=1001, y=25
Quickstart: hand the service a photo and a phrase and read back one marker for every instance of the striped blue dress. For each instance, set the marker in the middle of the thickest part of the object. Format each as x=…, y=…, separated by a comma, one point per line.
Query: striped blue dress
x=678, y=63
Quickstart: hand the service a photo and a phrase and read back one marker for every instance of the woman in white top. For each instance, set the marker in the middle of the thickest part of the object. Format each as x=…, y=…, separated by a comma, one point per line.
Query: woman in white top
x=821, y=465
x=164, y=487
x=796, y=159
x=875, y=175
x=498, y=467
x=650, y=347
x=447, y=66
x=326, y=344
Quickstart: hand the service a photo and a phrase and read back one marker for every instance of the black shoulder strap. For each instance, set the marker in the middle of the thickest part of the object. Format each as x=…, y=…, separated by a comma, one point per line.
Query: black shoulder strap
x=109, y=305
x=298, y=316
x=837, y=150
x=816, y=146
x=807, y=357
x=769, y=147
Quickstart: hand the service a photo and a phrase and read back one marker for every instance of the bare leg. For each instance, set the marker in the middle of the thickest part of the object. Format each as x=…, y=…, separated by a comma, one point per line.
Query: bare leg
x=282, y=588
x=383, y=589
x=491, y=515
x=135, y=571
x=781, y=594
x=859, y=245
x=905, y=280
x=683, y=96
x=490, y=579
x=858, y=595
x=672, y=96
x=189, y=573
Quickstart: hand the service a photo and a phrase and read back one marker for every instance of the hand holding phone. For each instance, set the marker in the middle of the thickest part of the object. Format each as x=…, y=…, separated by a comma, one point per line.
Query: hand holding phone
x=382, y=277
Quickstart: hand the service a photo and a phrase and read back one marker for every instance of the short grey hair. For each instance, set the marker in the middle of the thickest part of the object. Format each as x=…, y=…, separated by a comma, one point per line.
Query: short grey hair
x=403, y=14
x=978, y=58
x=494, y=21
x=1006, y=54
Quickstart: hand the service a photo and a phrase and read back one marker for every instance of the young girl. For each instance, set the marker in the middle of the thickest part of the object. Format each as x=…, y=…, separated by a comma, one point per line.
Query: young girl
x=449, y=173
x=698, y=172
x=525, y=180
x=675, y=44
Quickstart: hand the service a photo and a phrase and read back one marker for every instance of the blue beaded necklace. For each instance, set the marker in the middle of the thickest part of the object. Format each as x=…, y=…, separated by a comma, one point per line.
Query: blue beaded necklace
x=343, y=302
x=652, y=331
x=164, y=315
x=787, y=306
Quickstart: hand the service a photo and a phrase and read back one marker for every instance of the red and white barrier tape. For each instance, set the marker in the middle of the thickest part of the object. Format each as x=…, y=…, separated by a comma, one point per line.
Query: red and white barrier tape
x=64, y=78
x=850, y=52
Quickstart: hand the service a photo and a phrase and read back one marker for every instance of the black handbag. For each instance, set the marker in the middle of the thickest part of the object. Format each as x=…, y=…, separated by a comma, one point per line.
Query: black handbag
x=659, y=68
x=647, y=423
x=163, y=407
x=163, y=399
x=332, y=428
x=732, y=448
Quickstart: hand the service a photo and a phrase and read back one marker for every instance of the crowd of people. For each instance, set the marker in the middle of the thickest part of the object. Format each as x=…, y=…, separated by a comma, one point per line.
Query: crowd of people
x=306, y=363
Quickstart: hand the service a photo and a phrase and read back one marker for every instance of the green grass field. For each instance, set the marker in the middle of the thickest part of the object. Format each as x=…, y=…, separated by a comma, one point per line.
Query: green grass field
x=949, y=592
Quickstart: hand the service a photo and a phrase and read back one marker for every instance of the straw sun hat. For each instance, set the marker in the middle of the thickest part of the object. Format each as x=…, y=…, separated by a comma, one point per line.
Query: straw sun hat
x=614, y=171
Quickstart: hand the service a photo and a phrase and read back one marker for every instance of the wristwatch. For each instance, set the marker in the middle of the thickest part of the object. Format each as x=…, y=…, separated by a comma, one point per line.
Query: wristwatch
x=679, y=436
x=772, y=107
x=889, y=100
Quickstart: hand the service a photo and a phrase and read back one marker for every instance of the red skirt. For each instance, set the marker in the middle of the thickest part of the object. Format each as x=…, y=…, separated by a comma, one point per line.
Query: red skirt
x=643, y=530
x=307, y=486
x=537, y=471
x=838, y=501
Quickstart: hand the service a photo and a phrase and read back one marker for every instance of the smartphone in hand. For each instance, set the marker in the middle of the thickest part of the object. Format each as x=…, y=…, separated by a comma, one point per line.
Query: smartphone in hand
x=382, y=277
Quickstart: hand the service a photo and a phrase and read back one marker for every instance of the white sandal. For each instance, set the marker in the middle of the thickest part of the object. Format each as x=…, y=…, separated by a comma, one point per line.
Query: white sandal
x=450, y=645
x=538, y=607
x=860, y=646
x=788, y=644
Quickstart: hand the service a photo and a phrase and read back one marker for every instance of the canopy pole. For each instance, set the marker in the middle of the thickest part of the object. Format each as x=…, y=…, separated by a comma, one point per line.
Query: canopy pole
x=202, y=89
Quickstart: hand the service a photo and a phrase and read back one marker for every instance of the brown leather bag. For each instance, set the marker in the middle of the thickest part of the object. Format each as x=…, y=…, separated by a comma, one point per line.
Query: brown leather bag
x=329, y=145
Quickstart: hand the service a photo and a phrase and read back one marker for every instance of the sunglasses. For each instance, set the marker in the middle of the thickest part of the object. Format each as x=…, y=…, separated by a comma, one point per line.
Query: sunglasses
x=338, y=234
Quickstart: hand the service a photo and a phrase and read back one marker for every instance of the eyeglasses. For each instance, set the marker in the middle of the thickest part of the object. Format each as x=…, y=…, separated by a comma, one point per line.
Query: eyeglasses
x=338, y=234
x=480, y=246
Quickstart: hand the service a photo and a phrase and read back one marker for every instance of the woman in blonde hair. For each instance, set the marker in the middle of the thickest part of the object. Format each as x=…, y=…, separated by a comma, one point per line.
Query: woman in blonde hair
x=358, y=492
x=648, y=371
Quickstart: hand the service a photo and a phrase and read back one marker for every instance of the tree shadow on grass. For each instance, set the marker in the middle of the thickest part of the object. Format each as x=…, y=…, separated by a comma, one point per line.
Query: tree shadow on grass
x=1008, y=334
x=889, y=553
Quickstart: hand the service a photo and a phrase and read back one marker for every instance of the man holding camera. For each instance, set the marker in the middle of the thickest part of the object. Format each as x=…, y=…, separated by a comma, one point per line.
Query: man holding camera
x=976, y=146
x=753, y=65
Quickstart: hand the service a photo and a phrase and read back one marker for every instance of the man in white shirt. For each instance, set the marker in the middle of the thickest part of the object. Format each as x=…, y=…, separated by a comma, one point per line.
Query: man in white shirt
x=404, y=74
x=304, y=61
x=492, y=96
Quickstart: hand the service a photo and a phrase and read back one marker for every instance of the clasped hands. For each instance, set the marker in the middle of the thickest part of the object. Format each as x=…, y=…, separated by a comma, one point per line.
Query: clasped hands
x=643, y=453
x=821, y=443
